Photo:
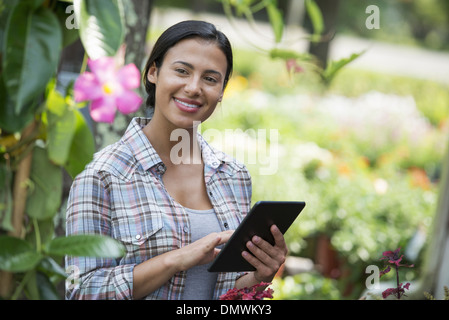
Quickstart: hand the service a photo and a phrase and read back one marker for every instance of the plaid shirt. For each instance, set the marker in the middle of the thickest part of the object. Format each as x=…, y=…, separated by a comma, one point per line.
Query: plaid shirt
x=121, y=194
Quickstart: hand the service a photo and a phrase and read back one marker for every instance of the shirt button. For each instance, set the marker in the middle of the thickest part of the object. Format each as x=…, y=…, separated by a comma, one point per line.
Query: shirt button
x=226, y=225
x=186, y=229
x=138, y=237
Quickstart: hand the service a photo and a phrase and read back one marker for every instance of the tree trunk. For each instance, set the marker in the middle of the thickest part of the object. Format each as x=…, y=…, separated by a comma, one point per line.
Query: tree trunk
x=19, y=203
x=138, y=13
x=329, y=10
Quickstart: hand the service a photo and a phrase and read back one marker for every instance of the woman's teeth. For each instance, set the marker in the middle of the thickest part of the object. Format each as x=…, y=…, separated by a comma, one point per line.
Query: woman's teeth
x=187, y=104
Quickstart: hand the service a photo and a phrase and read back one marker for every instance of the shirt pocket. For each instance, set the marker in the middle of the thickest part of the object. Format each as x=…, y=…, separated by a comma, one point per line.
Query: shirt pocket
x=139, y=234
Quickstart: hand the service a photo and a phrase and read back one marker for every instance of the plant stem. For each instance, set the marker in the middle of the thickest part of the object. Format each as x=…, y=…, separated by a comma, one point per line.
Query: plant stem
x=37, y=234
x=397, y=281
x=22, y=284
x=84, y=65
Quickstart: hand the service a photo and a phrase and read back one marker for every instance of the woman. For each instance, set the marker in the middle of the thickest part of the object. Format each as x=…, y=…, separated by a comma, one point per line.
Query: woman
x=170, y=202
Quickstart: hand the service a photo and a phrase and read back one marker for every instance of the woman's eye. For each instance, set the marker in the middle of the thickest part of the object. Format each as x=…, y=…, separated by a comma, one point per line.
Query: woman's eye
x=181, y=71
x=211, y=79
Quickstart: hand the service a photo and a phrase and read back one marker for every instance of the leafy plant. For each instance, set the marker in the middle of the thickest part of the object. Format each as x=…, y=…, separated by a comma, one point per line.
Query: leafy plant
x=252, y=293
x=393, y=258
x=248, y=8
x=43, y=132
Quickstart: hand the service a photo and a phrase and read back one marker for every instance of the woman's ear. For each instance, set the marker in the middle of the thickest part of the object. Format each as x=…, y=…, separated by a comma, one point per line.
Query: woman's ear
x=152, y=73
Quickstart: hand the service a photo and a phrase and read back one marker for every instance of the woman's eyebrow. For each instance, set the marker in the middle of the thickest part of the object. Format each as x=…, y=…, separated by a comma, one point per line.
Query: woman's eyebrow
x=189, y=65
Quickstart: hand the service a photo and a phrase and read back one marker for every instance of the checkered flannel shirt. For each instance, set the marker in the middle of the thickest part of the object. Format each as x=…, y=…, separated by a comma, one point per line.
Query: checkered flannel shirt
x=120, y=194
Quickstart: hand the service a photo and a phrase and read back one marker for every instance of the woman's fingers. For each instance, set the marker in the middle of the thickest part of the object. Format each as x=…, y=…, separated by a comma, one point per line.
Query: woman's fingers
x=267, y=258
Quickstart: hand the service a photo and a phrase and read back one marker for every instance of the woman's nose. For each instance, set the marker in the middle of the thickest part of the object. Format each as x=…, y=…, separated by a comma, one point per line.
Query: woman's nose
x=193, y=86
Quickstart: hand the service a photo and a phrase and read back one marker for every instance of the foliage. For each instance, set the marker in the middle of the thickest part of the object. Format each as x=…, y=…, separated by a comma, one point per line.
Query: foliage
x=431, y=297
x=420, y=22
x=306, y=286
x=248, y=8
x=366, y=163
x=43, y=132
x=252, y=293
x=392, y=258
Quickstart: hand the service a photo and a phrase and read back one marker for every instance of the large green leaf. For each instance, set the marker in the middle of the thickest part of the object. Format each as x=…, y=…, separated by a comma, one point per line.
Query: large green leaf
x=86, y=246
x=33, y=42
x=39, y=287
x=45, y=194
x=17, y=255
x=102, y=26
x=82, y=148
x=9, y=120
x=60, y=129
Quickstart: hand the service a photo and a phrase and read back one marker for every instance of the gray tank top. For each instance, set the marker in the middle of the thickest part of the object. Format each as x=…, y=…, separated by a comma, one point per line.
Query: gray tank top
x=200, y=283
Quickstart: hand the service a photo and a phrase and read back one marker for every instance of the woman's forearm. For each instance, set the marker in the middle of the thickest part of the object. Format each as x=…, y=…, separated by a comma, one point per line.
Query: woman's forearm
x=153, y=273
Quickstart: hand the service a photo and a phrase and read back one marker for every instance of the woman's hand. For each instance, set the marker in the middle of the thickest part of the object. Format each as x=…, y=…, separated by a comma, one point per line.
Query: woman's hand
x=203, y=250
x=267, y=259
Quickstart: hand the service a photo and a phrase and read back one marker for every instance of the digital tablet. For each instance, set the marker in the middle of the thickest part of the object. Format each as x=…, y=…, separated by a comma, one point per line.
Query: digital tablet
x=258, y=222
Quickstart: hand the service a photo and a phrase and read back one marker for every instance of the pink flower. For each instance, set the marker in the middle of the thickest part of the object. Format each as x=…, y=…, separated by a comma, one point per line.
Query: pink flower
x=293, y=66
x=394, y=258
x=109, y=87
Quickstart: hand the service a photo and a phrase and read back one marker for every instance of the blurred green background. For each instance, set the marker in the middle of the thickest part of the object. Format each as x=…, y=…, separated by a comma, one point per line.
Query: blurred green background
x=365, y=153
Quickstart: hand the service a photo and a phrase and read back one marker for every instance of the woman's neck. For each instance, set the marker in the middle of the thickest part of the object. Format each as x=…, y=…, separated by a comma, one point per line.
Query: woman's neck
x=174, y=145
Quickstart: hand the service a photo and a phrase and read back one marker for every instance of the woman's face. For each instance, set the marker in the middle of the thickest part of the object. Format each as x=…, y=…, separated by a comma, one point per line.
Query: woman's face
x=190, y=82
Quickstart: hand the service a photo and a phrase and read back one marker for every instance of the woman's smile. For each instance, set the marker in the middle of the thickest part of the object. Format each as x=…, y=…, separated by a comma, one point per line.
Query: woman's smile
x=187, y=105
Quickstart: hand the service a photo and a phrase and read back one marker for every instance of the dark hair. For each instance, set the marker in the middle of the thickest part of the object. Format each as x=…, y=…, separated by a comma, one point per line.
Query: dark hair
x=174, y=34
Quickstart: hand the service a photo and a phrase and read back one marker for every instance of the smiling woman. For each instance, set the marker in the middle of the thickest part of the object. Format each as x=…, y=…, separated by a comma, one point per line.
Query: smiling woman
x=171, y=215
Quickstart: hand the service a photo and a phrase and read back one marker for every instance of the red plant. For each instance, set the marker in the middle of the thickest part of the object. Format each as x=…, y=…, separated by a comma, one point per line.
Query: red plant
x=250, y=293
x=394, y=258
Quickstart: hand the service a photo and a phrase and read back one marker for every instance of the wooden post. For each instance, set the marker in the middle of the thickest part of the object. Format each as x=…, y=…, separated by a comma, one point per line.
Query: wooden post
x=436, y=267
x=19, y=204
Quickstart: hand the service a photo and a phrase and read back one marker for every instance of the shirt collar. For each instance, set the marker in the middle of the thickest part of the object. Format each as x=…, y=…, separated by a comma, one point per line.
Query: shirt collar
x=146, y=155
x=140, y=146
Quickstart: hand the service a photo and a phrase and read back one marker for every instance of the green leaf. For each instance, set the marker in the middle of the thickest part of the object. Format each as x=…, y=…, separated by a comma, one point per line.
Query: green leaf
x=17, y=255
x=102, y=26
x=45, y=195
x=45, y=288
x=33, y=44
x=334, y=66
x=276, y=20
x=51, y=268
x=286, y=54
x=314, y=12
x=9, y=120
x=82, y=148
x=86, y=246
x=60, y=129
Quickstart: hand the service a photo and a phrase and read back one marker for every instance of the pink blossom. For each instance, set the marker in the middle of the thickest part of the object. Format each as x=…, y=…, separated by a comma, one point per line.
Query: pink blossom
x=109, y=87
x=293, y=66
x=394, y=258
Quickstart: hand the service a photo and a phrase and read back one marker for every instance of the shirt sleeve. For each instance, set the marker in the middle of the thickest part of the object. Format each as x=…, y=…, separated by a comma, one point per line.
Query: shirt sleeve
x=88, y=212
